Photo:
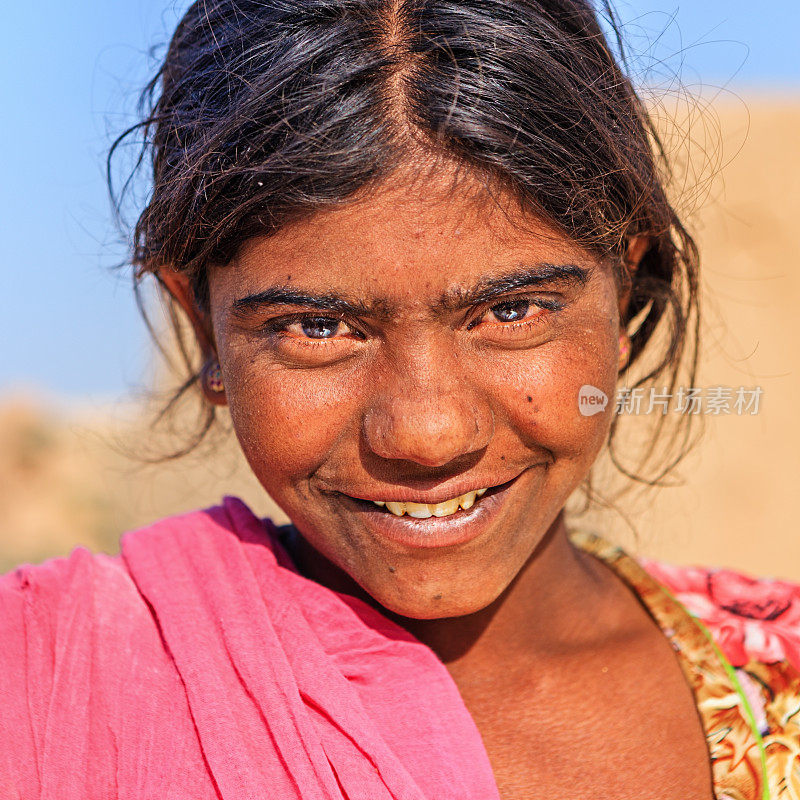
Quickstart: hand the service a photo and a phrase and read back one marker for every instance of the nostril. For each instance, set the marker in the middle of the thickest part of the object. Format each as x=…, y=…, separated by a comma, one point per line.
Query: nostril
x=432, y=440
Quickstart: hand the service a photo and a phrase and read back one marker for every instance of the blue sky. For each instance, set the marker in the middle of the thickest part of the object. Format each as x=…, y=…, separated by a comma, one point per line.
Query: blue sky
x=70, y=73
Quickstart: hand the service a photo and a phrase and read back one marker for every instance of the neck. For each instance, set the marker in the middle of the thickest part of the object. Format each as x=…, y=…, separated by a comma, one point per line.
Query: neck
x=561, y=600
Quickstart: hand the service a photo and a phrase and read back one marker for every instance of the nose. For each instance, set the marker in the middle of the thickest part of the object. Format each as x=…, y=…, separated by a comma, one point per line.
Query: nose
x=424, y=410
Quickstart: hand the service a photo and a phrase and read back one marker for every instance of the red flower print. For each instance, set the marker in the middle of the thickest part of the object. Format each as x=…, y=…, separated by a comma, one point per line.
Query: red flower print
x=749, y=618
x=749, y=597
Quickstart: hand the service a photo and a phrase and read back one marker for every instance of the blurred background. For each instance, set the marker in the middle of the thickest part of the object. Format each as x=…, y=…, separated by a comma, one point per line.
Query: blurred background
x=723, y=80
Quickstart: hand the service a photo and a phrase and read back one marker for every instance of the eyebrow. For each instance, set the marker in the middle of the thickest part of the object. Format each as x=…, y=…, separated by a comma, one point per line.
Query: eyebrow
x=452, y=299
x=286, y=296
x=540, y=275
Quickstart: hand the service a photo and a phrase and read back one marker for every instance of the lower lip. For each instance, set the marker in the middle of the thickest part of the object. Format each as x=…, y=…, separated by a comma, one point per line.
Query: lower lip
x=434, y=532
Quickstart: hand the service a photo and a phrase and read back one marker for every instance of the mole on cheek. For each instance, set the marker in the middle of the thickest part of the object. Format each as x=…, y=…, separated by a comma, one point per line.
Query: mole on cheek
x=530, y=399
x=437, y=597
x=391, y=569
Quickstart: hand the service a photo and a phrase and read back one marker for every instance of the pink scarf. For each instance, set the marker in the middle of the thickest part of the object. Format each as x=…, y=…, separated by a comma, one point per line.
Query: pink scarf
x=200, y=664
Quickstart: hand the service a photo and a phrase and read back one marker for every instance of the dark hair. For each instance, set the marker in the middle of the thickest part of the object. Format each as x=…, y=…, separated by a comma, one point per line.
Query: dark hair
x=267, y=110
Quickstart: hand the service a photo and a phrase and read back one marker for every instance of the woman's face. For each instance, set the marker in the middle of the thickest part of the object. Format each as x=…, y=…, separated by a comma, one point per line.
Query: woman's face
x=416, y=348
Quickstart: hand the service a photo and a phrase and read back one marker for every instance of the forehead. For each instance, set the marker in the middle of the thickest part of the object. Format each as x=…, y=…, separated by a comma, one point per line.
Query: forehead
x=404, y=239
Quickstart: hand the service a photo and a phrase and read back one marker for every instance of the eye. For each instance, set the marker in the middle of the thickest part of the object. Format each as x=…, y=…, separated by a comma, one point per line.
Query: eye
x=311, y=328
x=518, y=321
x=312, y=340
x=511, y=311
x=320, y=327
x=517, y=314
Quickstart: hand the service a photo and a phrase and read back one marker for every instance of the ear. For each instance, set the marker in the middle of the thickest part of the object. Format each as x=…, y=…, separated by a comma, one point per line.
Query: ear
x=177, y=284
x=637, y=247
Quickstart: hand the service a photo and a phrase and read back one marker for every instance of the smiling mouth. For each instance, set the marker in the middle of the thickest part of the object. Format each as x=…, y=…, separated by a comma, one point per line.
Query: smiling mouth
x=426, y=510
x=415, y=526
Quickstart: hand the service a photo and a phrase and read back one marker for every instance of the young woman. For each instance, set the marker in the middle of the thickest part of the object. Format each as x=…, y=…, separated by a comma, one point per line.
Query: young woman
x=410, y=236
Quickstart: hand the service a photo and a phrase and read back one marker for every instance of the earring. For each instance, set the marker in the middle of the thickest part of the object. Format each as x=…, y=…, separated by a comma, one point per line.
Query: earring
x=212, y=379
x=624, y=349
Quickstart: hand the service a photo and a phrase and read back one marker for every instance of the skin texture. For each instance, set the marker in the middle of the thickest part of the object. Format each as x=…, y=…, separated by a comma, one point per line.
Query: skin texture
x=419, y=399
x=421, y=404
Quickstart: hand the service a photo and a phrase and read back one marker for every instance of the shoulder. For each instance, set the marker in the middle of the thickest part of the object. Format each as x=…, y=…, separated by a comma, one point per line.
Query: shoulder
x=61, y=611
x=82, y=575
x=101, y=585
x=752, y=619
x=82, y=663
x=81, y=614
x=755, y=623
x=54, y=616
x=62, y=580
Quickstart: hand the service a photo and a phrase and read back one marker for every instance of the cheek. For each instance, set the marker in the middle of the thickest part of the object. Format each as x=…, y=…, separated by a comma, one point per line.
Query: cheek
x=288, y=421
x=540, y=392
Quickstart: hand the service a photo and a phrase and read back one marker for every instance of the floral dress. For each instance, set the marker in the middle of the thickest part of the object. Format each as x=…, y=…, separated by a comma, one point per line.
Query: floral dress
x=738, y=643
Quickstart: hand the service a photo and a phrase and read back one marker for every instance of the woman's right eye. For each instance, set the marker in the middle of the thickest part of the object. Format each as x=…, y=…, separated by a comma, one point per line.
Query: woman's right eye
x=312, y=339
x=319, y=327
x=311, y=330
x=315, y=327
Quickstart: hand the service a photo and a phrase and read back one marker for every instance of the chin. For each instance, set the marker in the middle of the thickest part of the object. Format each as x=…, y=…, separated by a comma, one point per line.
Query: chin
x=439, y=613
x=436, y=603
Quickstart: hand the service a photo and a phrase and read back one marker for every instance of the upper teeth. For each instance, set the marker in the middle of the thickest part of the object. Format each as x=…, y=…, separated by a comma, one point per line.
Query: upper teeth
x=425, y=510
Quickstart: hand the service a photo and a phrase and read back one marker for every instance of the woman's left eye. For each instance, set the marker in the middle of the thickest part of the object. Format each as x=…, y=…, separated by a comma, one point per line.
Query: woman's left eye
x=512, y=311
x=522, y=310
